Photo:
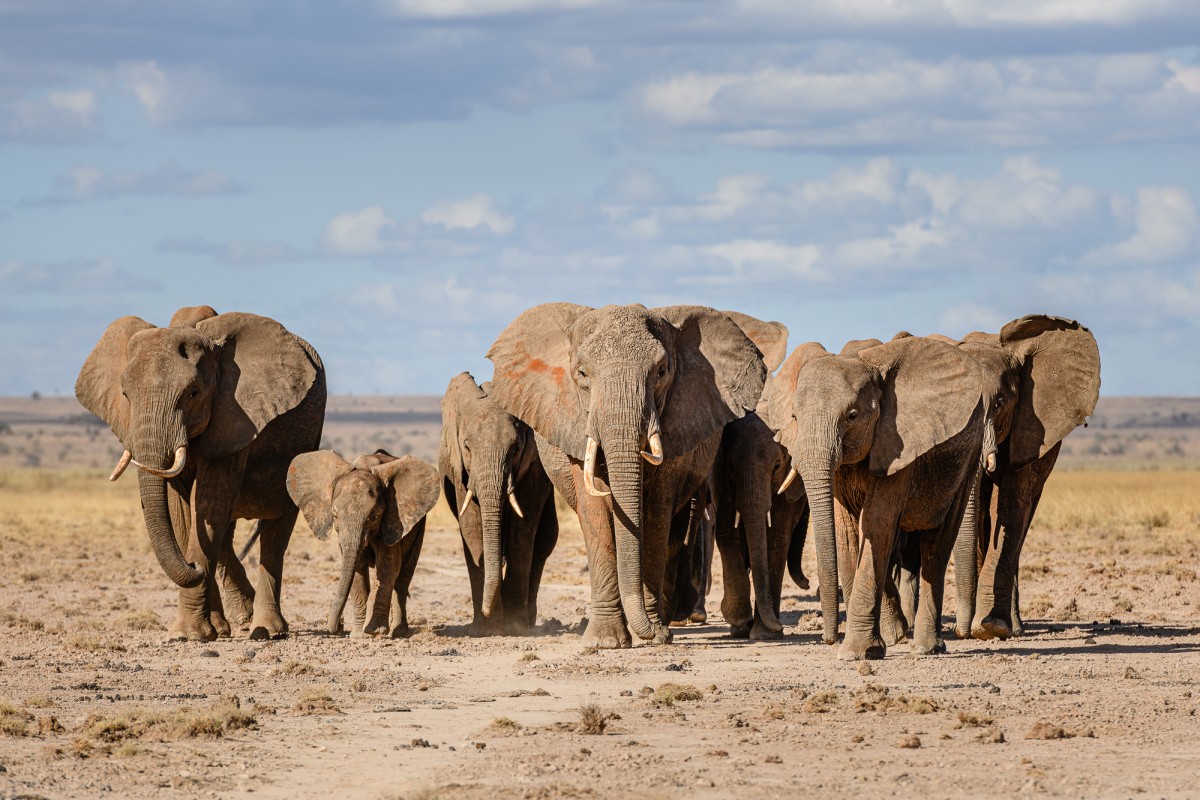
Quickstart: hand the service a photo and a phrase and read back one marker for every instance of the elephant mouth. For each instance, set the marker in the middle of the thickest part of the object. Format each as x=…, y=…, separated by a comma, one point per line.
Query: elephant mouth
x=176, y=467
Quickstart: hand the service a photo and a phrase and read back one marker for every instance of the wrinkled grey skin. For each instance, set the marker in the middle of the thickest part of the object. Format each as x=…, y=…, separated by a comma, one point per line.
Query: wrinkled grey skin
x=622, y=377
x=1042, y=380
x=891, y=435
x=749, y=471
x=490, y=454
x=377, y=506
x=236, y=397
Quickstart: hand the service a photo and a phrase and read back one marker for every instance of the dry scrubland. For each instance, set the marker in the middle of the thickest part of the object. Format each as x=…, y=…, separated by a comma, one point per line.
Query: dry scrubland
x=1101, y=699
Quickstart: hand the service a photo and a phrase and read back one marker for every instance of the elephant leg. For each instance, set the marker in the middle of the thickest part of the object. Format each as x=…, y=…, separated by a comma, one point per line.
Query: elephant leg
x=273, y=538
x=201, y=616
x=606, y=626
x=237, y=593
x=735, y=574
x=387, y=569
x=410, y=553
x=518, y=546
x=360, y=591
x=936, y=547
x=849, y=545
x=702, y=565
x=892, y=625
x=547, y=538
x=879, y=524
x=1018, y=625
x=779, y=537
x=679, y=593
x=909, y=582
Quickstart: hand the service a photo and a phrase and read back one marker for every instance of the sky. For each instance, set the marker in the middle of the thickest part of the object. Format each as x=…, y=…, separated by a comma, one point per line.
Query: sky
x=396, y=180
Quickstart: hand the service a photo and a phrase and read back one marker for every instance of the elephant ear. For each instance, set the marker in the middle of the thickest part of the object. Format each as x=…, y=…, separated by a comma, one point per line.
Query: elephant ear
x=461, y=390
x=940, y=337
x=533, y=380
x=769, y=337
x=265, y=371
x=718, y=378
x=1060, y=382
x=188, y=316
x=413, y=487
x=782, y=386
x=98, y=386
x=856, y=346
x=979, y=337
x=931, y=390
x=310, y=479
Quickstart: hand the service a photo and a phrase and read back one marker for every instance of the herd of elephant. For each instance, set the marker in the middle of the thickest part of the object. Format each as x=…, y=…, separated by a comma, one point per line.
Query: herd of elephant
x=666, y=430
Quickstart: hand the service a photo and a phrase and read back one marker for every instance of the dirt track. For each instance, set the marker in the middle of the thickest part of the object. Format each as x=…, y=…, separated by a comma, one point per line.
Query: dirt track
x=81, y=642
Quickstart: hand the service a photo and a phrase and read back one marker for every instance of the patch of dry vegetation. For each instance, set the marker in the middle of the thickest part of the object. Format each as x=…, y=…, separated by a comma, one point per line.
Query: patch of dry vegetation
x=316, y=701
x=14, y=721
x=1166, y=502
x=880, y=699
x=668, y=694
x=102, y=734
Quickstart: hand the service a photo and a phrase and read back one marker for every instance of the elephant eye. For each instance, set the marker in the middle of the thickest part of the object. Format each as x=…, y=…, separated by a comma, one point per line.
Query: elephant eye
x=193, y=392
x=662, y=370
x=852, y=414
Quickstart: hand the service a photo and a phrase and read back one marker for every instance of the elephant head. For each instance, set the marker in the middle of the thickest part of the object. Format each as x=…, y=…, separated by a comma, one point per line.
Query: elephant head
x=375, y=501
x=202, y=389
x=881, y=406
x=487, y=451
x=632, y=383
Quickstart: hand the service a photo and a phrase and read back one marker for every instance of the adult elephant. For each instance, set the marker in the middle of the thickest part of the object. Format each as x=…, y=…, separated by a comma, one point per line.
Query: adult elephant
x=892, y=433
x=504, y=503
x=378, y=505
x=211, y=410
x=1043, y=379
x=633, y=399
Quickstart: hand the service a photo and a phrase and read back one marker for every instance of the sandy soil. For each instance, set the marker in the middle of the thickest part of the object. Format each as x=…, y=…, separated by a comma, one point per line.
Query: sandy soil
x=94, y=703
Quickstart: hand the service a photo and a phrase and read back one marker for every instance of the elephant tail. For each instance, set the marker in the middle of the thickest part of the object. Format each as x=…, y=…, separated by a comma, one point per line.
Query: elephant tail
x=254, y=538
x=794, y=555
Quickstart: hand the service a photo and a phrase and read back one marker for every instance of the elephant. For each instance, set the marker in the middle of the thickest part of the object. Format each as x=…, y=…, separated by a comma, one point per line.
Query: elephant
x=1043, y=380
x=889, y=435
x=489, y=456
x=758, y=528
x=604, y=391
x=211, y=410
x=377, y=505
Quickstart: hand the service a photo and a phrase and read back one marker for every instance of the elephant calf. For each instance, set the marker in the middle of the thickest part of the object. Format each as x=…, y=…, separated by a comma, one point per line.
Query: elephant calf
x=377, y=505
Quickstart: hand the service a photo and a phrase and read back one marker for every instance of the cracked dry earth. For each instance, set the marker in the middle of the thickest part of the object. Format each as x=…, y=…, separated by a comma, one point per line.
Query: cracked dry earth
x=1100, y=699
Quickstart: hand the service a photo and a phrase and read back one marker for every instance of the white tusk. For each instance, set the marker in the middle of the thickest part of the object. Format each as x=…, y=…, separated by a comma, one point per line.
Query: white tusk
x=466, y=501
x=176, y=468
x=512, y=501
x=655, y=456
x=126, y=457
x=768, y=519
x=589, y=469
x=737, y=518
x=791, y=476
x=991, y=463
x=706, y=516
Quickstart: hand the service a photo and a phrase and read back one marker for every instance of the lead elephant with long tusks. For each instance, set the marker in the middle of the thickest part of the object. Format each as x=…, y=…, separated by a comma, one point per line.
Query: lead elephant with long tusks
x=628, y=404
x=504, y=503
x=210, y=411
x=377, y=506
x=890, y=434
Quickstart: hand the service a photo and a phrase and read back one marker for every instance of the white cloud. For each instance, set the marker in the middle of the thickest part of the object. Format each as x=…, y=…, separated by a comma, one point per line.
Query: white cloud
x=169, y=179
x=875, y=180
x=800, y=260
x=1025, y=195
x=359, y=233
x=970, y=13
x=149, y=84
x=59, y=117
x=1165, y=228
x=900, y=246
x=80, y=102
x=474, y=212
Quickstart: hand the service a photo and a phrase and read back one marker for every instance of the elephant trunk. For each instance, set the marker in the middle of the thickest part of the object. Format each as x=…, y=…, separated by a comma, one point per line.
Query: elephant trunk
x=153, y=492
x=817, y=461
x=160, y=436
x=756, y=509
x=352, y=547
x=491, y=509
x=966, y=564
x=621, y=437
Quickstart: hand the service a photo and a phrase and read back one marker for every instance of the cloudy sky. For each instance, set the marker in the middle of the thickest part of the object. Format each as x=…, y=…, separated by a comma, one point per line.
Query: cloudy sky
x=395, y=180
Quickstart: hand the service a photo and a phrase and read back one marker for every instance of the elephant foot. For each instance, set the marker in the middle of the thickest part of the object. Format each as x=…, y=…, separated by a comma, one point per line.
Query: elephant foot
x=401, y=631
x=607, y=633
x=191, y=629
x=860, y=648
x=220, y=624
x=662, y=635
x=240, y=608
x=377, y=627
x=927, y=646
x=761, y=633
x=892, y=630
x=483, y=627
x=699, y=616
x=740, y=630
x=1018, y=626
x=268, y=625
x=962, y=630
x=991, y=628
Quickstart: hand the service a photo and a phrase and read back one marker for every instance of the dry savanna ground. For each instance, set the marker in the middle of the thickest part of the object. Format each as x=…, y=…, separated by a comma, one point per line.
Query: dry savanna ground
x=1100, y=699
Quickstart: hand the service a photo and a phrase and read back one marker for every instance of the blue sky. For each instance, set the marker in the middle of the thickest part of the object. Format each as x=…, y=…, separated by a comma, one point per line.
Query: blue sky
x=395, y=180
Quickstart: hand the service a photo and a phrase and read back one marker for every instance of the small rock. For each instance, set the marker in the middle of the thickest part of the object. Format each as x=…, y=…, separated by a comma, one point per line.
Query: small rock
x=909, y=742
x=626, y=693
x=481, y=745
x=209, y=654
x=674, y=667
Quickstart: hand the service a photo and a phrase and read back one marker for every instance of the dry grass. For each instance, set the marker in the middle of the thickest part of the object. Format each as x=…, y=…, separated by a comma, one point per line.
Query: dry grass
x=210, y=722
x=316, y=701
x=668, y=694
x=1164, y=502
x=14, y=721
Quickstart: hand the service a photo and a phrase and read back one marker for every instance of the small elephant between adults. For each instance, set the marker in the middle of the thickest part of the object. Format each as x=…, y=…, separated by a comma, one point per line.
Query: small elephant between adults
x=377, y=505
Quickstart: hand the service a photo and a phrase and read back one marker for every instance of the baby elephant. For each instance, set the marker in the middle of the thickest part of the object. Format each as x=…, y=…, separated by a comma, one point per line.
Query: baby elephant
x=378, y=506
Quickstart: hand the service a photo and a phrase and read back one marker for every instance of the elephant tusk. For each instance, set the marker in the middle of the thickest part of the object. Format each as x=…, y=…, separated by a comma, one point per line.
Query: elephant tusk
x=512, y=501
x=655, y=456
x=176, y=468
x=990, y=466
x=791, y=476
x=737, y=518
x=706, y=514
x=119, y=469
x=589, y=469
x=466, y=501
x=768, y=519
